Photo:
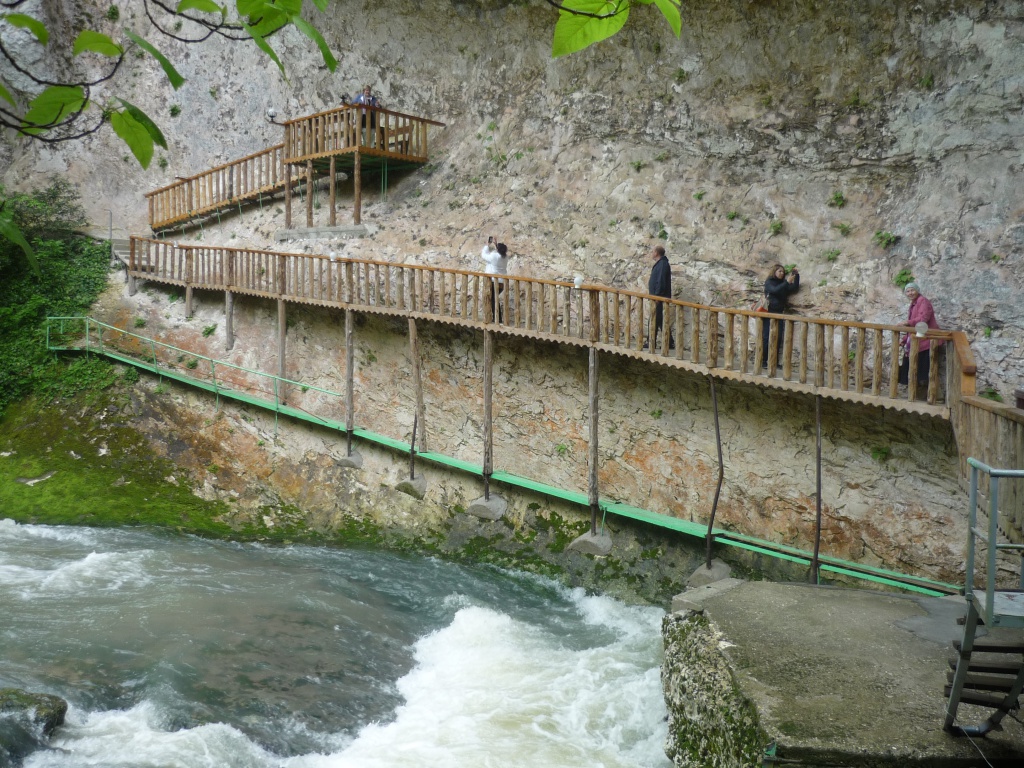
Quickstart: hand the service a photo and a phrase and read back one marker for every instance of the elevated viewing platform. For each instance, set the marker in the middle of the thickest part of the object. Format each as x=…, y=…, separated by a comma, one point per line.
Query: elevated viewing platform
x=348, y=139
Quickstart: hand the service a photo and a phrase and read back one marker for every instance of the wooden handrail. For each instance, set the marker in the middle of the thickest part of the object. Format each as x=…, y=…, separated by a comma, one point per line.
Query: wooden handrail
x=853, y=360
x=363, y=107
x=224, y=186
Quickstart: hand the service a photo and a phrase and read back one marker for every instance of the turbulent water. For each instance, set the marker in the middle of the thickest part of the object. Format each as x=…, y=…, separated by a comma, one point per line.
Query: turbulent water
x=175, y=651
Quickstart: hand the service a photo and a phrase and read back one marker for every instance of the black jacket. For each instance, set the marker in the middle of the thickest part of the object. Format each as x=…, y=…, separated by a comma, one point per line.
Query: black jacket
x=660, y=283
x=778, y=292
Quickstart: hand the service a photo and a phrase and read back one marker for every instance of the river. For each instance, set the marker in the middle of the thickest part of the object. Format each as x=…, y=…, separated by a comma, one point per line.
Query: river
x=175, y=651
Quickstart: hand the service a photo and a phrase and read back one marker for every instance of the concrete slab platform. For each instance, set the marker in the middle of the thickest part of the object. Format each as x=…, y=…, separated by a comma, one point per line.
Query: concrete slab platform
x=851, y=677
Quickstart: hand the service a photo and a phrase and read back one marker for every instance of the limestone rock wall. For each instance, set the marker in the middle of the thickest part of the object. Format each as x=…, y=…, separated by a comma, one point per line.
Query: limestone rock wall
x=909, y=115
x=760, y=113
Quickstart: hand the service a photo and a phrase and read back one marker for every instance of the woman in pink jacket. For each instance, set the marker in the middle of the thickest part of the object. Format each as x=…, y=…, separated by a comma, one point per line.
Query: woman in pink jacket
x=920, y=312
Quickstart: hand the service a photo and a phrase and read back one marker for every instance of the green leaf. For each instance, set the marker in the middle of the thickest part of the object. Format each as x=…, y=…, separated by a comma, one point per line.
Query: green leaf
x=574, y=33
x=311, y=32
x=134, y=134
x=10, y=230
x=264, y=46
x=670, y=10
x=6, y=95
x=169, y=70
x=321, y=4
x=96, y=42
x=51, y=106
x=151, y=128
x=204, y=6
x=37, y=28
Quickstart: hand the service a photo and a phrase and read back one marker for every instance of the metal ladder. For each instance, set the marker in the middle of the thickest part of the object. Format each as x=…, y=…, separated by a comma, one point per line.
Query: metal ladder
x=995, y=679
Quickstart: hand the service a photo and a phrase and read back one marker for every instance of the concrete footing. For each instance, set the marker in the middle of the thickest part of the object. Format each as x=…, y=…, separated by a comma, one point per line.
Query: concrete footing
x=355, y=461
x=709, y=574
x=599, y=544
x=489, y=509
x=416, y=487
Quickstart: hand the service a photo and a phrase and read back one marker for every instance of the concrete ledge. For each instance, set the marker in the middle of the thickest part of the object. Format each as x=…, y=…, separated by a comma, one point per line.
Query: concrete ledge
x=599, y=544
x=488, y=509
x=416, y=488
x=321, y=233
x=821, y=675
x=693, y=599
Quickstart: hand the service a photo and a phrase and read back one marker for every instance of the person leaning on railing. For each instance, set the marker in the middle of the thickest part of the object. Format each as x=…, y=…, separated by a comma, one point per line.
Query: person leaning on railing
x=777, y=290
x=921, y=311
x=366, y=98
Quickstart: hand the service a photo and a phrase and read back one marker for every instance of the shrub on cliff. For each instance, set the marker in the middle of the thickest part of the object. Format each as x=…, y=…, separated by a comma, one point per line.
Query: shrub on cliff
x=72, y=272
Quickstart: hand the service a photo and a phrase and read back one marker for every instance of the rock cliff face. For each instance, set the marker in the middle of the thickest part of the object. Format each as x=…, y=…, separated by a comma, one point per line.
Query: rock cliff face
x=830, y=121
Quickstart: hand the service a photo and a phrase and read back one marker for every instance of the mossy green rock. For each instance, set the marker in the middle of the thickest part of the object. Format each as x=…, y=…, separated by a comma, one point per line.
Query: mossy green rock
x=711, y=724
x=44, y=709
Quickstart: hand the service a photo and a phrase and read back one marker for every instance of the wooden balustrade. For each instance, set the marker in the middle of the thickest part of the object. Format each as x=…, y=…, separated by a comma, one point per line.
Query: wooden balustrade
x=227, y=185
x=858, y=361
x=371, y=130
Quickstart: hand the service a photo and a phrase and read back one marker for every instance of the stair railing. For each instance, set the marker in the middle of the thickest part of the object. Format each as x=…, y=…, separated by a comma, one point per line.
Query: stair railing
x=988, y=537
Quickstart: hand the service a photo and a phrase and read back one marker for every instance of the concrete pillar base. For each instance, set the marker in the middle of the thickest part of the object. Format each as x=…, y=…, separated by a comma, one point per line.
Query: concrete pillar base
x=704, y=575
x=599, y=544
x=417, y=488
x=488, y=509
x=355, y=461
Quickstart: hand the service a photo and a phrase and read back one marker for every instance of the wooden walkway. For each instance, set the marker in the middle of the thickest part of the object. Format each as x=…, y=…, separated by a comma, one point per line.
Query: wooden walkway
x=856, y=362
x=349, y=138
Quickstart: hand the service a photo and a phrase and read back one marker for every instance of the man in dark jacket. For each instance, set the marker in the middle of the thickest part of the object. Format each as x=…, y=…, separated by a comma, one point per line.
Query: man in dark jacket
x=659, y=284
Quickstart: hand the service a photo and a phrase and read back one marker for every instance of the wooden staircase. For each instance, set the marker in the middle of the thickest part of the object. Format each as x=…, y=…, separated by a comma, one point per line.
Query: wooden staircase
x=989, y=671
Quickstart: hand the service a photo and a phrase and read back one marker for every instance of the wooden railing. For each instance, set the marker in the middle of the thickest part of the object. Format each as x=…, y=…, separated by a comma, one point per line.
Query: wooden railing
x=854, y=361
x=222, y=187
x=369, y=129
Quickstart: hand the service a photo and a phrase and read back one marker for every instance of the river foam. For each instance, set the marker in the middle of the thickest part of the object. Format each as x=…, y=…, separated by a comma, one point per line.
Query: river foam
x=195, y=653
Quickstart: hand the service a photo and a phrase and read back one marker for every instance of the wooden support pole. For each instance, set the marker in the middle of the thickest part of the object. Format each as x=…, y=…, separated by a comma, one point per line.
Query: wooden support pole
x=229, y=300
x=417, y=382
x=288, y=196
x=309, y=193
x=334, y=192
x=488, y=428
x=229, y=314
x=132, y=266
x=350, y=357
x=592, y=494
x=188, y=282
x=282, y=328
x=357, y=193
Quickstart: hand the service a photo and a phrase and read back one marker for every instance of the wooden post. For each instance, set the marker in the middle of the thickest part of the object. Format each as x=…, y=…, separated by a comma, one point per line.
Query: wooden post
x=229, y=314
x=188, y=282
x=357, y=180
x=414, y=353
x=288, y=196
x=309, y=193
x=592, y=495
x=488, y=429
x=915, y=347
x=282, y=328
x=229, y=301
x=350, y=411
x=334, y=197
x=132, y=266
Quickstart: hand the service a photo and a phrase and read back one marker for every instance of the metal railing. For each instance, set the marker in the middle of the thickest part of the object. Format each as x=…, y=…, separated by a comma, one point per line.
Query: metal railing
x=988, y=537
